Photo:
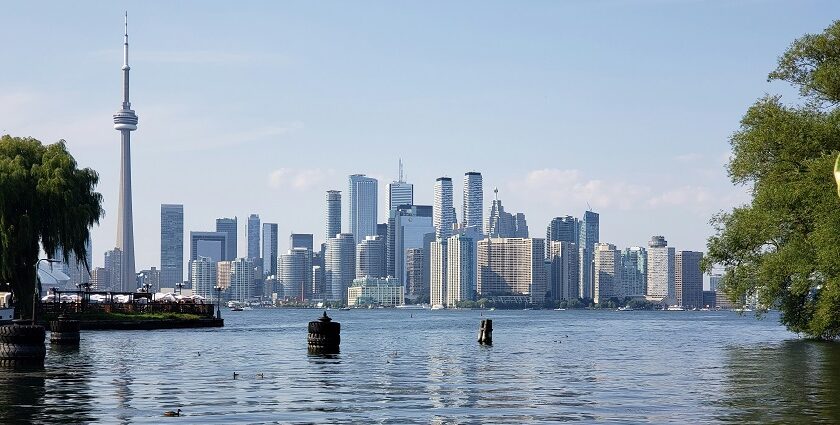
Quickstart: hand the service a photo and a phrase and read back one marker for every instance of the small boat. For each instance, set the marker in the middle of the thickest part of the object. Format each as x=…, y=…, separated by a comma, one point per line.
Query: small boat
x=625, y=308
x=492, y=308
x=437, y=307
x=344, y=308
x=236, y=309
x=247, y=307
x=559, y=309
x=410, y=307
x=676, y=308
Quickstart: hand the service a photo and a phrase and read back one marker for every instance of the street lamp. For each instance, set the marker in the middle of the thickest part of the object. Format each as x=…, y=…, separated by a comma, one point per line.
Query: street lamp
x=180, y=286
x=36, y=297
x=218, y=289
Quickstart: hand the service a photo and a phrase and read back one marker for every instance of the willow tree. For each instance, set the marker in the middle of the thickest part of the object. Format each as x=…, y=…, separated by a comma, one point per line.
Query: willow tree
x=783, y=248
x=46, y=202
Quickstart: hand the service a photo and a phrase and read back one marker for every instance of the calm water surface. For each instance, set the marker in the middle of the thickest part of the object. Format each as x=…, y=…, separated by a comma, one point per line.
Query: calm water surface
x=544, y=366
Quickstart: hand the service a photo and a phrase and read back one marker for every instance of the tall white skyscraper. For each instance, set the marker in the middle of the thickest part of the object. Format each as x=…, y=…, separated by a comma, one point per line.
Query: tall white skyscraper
x=125, y=121
x=241, y=279
x=589, y=235
x=607, y=273
x=171, y=245
x=339, y=266
x=400, y=192
x=661, y=277
x=333, y=214
x=363, y=201
x=370, y=257
x=437, y=270
x=202, y=277
x=472, y=209
x=296, y=273
x=442, y=215
x=460, y=269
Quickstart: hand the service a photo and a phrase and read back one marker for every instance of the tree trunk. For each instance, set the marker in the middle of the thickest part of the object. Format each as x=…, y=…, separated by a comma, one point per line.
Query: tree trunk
x=23, y=288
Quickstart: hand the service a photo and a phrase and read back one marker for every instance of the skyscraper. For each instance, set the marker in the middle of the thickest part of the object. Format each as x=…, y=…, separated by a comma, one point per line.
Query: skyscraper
x=688, y=279
x=460, y=269
x=113, y=267
x=512, y=266
x=171, y=244
x=301, y=240
x=370, y=257
x=228, y=225
x=407, y=228
x=269, y=249
x=125, y=121
x=442, y=218
x=589, y=236
x=254, y=237
x=472, y=209
x=437, y=278
x=501, y=224
x=607, y=273
x=296, y=273
x=564, y=281
x=634, y=271
x=333, y=214
x=661, y=279
x=363, y=196
x=400, y=192
x=561, y=229
x=241, y=279
x=203, y=276
x=208, y=244
x=339, y=265
x=414, y=279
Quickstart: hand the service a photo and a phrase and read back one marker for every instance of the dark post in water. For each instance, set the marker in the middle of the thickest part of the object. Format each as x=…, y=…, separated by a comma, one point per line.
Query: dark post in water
x=64, y=331
x=485, y=334
x=324, y=335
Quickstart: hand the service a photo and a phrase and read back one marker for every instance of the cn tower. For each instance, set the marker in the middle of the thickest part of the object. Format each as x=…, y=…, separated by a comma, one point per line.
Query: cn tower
x=125, y=121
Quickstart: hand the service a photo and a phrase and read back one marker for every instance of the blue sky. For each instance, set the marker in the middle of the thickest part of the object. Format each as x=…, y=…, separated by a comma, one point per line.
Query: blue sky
x=260, y=107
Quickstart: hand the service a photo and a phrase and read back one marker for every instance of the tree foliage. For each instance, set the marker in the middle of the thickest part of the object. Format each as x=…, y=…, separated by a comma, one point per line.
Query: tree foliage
x=783, y=248
x=46, y=202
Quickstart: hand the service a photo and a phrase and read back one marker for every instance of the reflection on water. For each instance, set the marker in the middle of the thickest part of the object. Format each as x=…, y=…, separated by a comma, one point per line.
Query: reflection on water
x=794, y=381
x=426, y=367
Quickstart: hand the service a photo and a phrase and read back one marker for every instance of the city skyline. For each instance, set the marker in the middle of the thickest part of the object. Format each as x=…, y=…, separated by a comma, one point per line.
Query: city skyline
x=688, y=185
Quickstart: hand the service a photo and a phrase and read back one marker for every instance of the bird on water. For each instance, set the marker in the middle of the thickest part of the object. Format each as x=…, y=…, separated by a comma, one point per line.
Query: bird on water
x=171, y=413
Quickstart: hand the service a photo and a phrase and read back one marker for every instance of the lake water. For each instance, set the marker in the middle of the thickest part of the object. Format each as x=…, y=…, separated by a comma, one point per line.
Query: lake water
x=426, y=367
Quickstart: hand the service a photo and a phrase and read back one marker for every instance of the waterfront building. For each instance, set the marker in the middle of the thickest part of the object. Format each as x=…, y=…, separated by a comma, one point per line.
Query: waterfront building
x=634, y=271
x=125, y=121
x=472, y=209
x=386, y=292
x=370, y=257
x=296, y=273
x=512, y=266
x=254, y=237
x=501, y=224
x=415, y=281
x=228, y=226
x=363, y=202
x=269, y=249
x=588, y=236
x=171, y=244
x=688, y=279
x=399, y=192
x=203, y=274
x=442, y=217
x=607, y=273
x=339, y=265
x=565, y=263
x=333, y=226
x=460, y=269
x=113, y=266
x=437, y=284
x=223, y=274
x=661, y=276
x=241, y=279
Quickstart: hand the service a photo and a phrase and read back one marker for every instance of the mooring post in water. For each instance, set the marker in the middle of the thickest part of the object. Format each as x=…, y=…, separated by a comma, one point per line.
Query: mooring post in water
x=485, y=333
x=324, y=335
x=64, y=331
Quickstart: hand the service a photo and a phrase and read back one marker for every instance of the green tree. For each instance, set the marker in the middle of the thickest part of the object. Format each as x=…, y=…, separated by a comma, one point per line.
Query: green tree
x=46, y=202
x=783, y=248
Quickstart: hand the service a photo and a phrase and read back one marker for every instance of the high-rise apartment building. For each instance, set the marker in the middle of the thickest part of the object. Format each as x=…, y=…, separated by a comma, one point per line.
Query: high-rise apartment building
x=563, y=229
x=688, y=279
x=212, y=245
x=269, y=249
x=407, y=227
x=437, y=279
x=661, y=279
x=113, y=266
x=472, y=209
x=296, y=273
x=512, y=266
x=414, y=273
x=228, y=226
x=370, y=257
x=223, y=274
x=100, y=279
x=171, y=244
x=203, y=275
x=254, y=237
x=607, y=273
x=565, y=264
x=442, y=216
x=339, y=265
x=333, y=226
x=588, y=237
x=460, y=269
x=634, y=271
x=363, y=202
x=241, y=279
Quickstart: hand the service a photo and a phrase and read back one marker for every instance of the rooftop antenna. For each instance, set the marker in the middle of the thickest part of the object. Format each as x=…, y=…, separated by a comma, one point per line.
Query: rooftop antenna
x=401, y=172
x=495, y=193
x=588, y=207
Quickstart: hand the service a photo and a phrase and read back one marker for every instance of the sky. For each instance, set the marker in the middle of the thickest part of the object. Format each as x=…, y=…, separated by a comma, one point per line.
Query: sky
x=260, y=107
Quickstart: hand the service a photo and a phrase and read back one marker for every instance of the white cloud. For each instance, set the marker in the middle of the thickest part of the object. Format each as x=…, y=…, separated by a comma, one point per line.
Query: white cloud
x=682, y=196
x=564, y=187
x=298, y=179
x=688, y=157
